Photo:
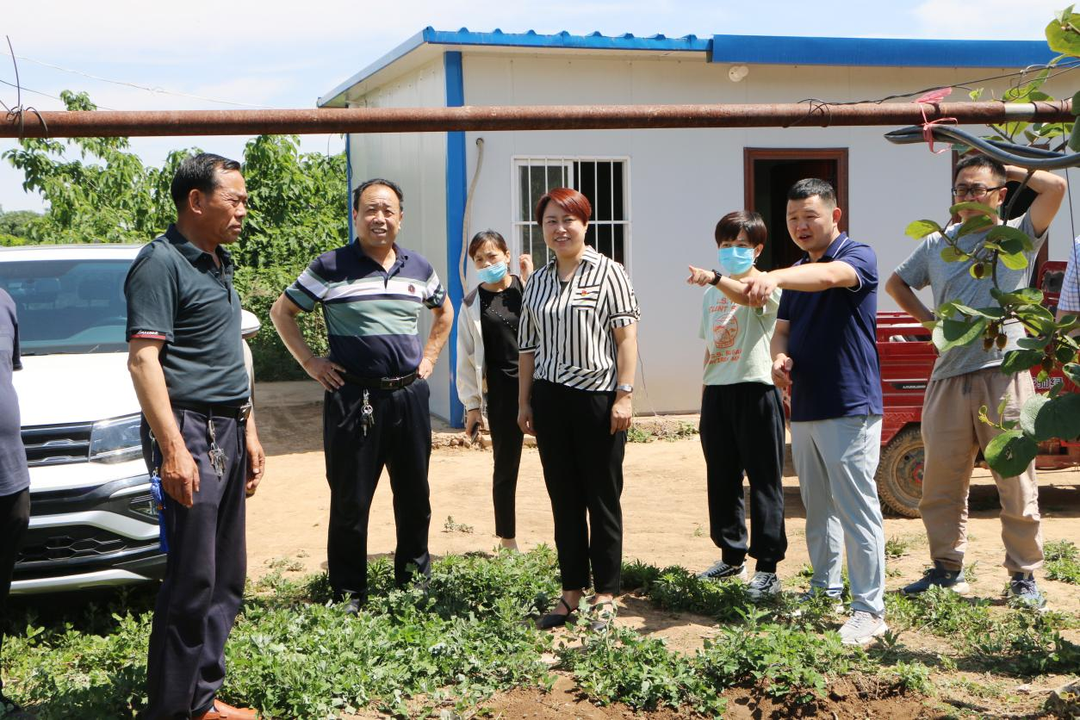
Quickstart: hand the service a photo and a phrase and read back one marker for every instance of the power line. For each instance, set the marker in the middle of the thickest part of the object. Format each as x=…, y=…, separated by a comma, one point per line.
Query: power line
x=136, y=86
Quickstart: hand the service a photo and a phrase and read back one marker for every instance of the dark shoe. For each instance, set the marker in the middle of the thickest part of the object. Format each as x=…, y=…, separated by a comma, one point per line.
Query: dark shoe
x=1023, y=591
x=221, y=711
x=763, y=585
x=722, y=570
x=553, y=619
x=603, y=615
x=352, y=606
x=938, y=576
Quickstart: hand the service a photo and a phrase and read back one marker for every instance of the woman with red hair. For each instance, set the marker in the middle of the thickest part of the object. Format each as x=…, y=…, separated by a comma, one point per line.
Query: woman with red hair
x=578, y=343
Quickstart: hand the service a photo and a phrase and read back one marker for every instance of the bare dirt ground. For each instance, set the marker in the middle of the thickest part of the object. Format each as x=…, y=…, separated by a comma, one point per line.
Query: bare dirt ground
x=665, y=523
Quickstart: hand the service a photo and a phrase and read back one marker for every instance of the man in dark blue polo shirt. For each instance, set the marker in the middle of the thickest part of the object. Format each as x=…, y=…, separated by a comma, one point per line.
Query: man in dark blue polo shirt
x=825, y=349
x=186, y=359
x=376, y=406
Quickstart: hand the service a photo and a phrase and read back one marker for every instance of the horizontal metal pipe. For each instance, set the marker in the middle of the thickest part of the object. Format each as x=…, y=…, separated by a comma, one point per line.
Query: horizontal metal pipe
x=101, y=123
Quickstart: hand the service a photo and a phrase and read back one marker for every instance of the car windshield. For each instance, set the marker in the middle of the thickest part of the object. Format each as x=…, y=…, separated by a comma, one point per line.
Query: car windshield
x=68, y=306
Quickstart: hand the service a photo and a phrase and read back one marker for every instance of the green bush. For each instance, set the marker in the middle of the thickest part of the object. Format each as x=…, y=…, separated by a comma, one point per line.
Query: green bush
x=258, y=289
x=621, y=666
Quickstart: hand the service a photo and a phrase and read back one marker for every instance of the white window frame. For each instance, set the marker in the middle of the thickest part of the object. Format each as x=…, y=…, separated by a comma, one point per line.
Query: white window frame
x=567, y=162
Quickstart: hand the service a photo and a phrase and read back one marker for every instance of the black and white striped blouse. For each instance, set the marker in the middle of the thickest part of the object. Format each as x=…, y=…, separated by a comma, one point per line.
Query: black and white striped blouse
x=570, y=328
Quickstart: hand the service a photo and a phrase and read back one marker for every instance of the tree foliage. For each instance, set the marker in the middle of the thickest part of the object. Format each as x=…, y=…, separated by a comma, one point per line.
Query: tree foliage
x=1049, y=345
x=98, y=190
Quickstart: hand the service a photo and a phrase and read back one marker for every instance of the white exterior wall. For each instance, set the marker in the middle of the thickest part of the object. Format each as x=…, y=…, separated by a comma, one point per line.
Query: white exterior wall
x=417, y=162
x=682, y=181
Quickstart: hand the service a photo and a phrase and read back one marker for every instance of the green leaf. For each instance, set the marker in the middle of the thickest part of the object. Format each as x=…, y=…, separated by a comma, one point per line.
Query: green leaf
x=921, y=228
x=984, y=209
x=1033, y=343
x=974, y=225
x=1062, y=36
x=1074, y=138
x=955, y=333
x=1044, y=418
x=950, y=253
x=1020, y=361
x=1072, y=371
x=1023, y=296
x=1007, y=236
x=1076, y=103
x=1010, y=453
x=1014, y=262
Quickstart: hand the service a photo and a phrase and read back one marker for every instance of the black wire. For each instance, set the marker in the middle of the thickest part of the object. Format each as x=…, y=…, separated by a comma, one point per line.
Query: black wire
x=1022, y=156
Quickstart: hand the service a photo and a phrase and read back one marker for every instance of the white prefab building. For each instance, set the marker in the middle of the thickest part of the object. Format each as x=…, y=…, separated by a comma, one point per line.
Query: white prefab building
x=657, y=194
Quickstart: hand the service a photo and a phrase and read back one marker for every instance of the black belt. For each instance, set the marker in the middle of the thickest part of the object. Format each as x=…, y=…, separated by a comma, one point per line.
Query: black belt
x=238, y=412
x=380, y=383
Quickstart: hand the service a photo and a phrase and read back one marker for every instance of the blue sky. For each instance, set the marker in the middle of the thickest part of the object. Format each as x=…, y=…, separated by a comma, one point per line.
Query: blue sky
x=204, y=54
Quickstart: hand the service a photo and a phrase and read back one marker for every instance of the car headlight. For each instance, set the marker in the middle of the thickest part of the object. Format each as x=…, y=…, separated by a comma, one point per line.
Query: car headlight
x=114, y=441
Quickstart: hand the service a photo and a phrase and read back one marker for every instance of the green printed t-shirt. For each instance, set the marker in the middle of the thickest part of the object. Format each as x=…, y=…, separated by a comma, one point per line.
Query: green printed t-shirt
x=737, y=339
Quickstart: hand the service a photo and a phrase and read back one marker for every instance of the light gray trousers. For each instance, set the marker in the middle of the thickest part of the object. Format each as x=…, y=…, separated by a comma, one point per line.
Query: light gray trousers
x=836, y=460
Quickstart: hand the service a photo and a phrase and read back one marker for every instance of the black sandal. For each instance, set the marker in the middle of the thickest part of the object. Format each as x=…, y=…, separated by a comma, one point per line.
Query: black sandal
x=553, y=619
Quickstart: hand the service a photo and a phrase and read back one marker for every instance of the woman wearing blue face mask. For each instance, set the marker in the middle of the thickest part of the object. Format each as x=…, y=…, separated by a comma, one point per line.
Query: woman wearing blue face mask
x=487, y=370
x=742, y=416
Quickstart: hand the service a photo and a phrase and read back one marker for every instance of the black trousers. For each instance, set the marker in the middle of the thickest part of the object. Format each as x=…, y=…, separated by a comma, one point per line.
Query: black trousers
x=204, y=575
x=400, y=441
x=14, y=519
x=742, y=429
x=582, y=463
x=506, y=438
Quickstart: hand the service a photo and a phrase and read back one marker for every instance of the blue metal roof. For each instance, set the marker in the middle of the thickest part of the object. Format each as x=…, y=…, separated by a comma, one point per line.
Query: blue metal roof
x=530, y=39
x=878, y=52
x=759, y=49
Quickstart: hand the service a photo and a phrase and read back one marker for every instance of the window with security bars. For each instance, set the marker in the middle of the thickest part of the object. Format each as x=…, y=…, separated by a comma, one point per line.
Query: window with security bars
x=603, y=181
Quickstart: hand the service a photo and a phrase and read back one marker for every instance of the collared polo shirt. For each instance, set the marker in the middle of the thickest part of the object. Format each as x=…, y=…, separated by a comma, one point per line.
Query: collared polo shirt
x=372, y=314
x=832, y=340
x=14, y=476
x=177, y=293
x=569, y=328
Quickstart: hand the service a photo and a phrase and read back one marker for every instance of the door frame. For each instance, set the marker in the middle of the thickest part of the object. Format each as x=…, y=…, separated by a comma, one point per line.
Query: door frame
x=840, y=155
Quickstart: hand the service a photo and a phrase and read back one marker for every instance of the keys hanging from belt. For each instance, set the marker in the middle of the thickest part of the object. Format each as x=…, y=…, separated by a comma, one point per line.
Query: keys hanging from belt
x=367, y=414
x=217, y=455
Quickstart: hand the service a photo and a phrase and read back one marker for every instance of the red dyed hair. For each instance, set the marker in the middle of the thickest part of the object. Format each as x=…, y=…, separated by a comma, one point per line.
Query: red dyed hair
x=569, y=200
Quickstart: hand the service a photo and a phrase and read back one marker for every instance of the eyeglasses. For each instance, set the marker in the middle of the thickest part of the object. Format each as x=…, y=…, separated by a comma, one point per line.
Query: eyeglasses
x=974, y=190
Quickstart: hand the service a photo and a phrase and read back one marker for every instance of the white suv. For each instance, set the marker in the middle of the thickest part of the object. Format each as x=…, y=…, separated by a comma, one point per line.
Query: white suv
x=92, y=521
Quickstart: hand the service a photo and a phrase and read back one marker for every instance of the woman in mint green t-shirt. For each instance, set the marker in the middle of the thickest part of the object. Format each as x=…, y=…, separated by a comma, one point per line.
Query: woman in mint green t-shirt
x=742, y=416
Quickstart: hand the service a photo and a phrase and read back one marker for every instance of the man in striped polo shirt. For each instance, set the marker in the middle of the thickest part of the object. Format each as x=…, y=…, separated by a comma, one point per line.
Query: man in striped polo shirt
x=376, y=405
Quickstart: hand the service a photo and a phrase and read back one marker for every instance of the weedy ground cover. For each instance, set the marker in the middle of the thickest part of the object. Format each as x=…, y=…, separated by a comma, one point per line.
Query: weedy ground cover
x=447, y=648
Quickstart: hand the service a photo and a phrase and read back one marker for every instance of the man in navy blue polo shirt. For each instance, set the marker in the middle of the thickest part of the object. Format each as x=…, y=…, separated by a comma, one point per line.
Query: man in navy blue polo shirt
x=825, y=349
x=375, y=411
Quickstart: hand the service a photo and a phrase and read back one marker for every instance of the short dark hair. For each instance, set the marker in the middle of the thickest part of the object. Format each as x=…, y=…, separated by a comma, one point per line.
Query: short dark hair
x=377, y=181
x=809, y=187
x=487, y=236
x=198, y=172
x=981, y=161
x=739, y=221
x=570, y=200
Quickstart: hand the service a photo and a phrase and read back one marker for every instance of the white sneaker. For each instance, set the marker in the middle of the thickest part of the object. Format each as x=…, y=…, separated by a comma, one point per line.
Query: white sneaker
x=762, y=585
x=862, y=628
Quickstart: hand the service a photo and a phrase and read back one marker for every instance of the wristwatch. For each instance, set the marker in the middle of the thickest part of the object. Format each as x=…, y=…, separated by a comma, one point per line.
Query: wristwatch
x=715, y=277
x=624, y=388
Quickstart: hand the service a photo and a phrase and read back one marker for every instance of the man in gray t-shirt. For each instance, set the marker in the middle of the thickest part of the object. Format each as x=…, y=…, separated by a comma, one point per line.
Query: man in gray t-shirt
x=14, y=477
x=968, y=378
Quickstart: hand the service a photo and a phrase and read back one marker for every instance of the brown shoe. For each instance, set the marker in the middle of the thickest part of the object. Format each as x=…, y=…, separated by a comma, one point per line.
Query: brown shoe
x=221, y=711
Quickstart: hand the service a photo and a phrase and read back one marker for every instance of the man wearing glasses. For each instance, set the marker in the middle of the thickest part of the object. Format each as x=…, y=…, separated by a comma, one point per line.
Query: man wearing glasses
x=967, y=378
